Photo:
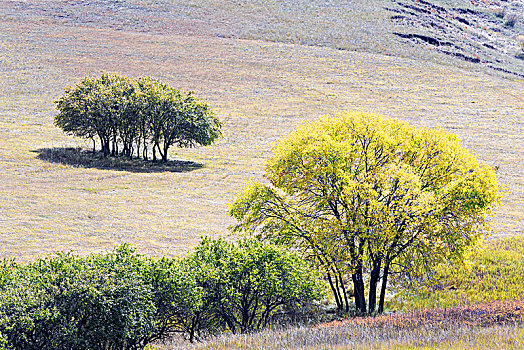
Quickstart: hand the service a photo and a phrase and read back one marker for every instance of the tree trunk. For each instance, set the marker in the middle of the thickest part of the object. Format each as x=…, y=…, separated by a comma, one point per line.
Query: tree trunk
x=383, y=288
x=358, y=289
x=144, y=152
x=114, y=151
x=164, y=154
x=154, y=153
x=138, y=149
x=105, y=148
x=336, y=293
x=344, y=292
x=373, y=282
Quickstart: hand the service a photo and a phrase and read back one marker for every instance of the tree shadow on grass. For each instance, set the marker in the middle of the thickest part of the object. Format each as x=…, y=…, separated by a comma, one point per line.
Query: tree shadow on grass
x=78, y=157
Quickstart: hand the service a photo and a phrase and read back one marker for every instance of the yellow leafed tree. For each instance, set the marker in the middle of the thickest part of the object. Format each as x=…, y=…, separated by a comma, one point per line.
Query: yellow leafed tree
x=363, y=196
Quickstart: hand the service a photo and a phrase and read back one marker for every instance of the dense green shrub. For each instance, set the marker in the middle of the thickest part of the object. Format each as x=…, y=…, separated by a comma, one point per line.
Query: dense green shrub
x=118, y=300
x=122, y=300
x=176, y=295
x=247, y=283
x=131, y=116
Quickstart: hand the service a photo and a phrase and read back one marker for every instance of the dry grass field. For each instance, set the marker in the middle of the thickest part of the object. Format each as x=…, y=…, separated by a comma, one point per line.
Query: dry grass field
x=487, y=326
x=260, y=89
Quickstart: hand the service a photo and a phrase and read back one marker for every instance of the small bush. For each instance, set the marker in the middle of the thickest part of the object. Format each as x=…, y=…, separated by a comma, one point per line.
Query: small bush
x=247, y=283
x=520, y=42
x=510, y=20
x=500, y=12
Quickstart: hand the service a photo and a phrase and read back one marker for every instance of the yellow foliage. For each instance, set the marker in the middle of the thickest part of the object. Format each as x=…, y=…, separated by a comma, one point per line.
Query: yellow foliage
x=361, y=193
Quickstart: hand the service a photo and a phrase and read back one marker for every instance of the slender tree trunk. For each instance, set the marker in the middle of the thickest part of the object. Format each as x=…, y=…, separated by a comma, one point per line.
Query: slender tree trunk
x=358, y=288
x=373, y=282
x=356, y=274
x=114, y=151
x=144, y=152
x=105, y=148
x=164, y=155
x=102, y=143
x=344, y=291
x=192, y=334
x=334, y=289
x=383, y=288
x=154, y=153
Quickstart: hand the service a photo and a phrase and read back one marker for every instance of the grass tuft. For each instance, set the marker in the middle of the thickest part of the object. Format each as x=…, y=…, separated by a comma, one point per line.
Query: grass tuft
x=510, y=20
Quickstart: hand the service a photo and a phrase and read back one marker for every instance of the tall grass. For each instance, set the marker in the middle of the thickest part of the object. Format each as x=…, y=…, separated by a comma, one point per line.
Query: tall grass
x=493, y=272
x=491, y=326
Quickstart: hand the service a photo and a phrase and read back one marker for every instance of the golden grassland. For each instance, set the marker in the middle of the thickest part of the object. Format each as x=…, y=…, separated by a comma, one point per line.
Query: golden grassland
x=260, y=90
x=462, y=337
x=492, y=272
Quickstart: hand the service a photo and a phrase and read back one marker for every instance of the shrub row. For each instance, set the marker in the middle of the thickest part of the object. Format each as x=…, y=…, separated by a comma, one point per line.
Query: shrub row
x=134, y=116
x=122, y=300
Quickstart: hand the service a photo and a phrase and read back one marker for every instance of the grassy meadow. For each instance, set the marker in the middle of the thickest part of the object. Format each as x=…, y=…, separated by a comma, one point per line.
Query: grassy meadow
x=264, y=67
x=345, y=338
x=260, y=89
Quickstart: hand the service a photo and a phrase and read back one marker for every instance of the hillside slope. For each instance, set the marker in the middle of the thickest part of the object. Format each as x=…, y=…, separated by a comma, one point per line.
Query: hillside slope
x=260, y=89
x=479, y=35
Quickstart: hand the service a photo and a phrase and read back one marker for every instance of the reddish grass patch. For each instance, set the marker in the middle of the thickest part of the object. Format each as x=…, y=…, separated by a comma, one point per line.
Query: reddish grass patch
x=494, y=313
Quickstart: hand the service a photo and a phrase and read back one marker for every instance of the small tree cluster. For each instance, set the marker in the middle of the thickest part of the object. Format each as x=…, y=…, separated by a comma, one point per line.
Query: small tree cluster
x=135, y=116
x=122, y=300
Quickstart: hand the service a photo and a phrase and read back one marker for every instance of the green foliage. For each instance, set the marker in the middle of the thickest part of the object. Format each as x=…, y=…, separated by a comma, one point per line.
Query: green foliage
x=118, y=300
x=140, y=115
x=247, y=283
x=122, y=300
x=177, y=296
x=365, y=196
x=489, y=273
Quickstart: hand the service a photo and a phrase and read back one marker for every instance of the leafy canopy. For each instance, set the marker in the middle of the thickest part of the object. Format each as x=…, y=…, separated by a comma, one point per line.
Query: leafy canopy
x=131, y=116
x=364, y=195
x=247, y=283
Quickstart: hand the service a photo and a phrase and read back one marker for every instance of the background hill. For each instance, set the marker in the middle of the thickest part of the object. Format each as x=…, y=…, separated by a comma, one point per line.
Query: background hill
x=483, y=32
x=265, y=67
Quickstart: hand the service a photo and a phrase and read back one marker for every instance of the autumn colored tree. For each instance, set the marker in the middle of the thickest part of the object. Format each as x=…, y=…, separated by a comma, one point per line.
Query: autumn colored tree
x=363, y=196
